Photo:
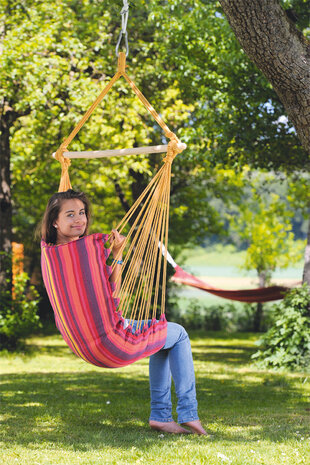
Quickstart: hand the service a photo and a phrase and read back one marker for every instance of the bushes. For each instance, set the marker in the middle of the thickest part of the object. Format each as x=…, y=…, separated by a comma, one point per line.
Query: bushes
x=287, y=343
x=18, y=316
x=226, y=317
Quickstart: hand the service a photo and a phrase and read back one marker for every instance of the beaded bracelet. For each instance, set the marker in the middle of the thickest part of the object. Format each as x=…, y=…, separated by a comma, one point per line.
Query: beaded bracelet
x=119, y=262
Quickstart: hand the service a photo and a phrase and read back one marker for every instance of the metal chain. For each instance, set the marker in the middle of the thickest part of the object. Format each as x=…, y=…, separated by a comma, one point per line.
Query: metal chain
x=124, y=14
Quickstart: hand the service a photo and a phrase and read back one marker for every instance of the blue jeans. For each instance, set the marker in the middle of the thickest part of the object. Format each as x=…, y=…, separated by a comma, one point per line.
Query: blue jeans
x=175, y=359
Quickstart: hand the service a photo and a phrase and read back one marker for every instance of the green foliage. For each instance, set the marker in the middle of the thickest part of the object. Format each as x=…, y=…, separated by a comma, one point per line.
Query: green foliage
x=234, y=122
x=298, y=194
x=264, y=224
x=298, y=11
x=287, y=343
x=64, y=54
x=227, y=317
x=18, y=314
x=56, y=56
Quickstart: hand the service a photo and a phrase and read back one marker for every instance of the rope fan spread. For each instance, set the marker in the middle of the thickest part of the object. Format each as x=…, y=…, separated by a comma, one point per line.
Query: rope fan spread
x=103, y=328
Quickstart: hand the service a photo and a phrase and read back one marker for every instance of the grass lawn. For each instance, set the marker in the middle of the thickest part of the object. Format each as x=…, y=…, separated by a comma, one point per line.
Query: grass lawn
x=57, y=409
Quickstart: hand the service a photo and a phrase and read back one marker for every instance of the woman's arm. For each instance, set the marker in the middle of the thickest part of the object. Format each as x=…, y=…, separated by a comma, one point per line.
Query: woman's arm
x=118, y=241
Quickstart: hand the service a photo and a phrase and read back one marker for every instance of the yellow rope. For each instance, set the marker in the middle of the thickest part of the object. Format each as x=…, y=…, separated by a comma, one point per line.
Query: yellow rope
x=148, y=234
x=144, y=254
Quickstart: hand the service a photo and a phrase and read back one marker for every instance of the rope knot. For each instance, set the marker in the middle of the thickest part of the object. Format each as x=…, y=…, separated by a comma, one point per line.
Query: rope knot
x=65, y=163
x=174, y=147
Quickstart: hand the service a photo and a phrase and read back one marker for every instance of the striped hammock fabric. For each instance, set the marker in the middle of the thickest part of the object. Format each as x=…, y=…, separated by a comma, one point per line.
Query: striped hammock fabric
x=260, y=294
x=76, y=278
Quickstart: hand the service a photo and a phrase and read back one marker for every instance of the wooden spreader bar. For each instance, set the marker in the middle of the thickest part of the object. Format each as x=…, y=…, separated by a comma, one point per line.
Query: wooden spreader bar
x=120, y=152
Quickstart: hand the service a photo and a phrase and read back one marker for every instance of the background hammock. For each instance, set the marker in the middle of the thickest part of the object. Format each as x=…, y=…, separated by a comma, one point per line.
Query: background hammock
x=260, y=294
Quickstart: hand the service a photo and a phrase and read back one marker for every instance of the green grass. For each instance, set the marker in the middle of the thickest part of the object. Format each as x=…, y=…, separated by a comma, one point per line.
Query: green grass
x=57, y=409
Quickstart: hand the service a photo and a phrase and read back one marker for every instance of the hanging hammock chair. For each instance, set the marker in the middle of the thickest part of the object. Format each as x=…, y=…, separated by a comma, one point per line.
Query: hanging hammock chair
x=260, y=294
x=102, y=328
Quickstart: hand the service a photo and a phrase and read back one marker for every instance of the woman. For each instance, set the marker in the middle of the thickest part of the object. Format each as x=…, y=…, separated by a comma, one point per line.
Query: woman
x=66, y=219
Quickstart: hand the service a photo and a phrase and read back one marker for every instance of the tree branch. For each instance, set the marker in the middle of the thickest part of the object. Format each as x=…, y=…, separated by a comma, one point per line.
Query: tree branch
x=272, y=41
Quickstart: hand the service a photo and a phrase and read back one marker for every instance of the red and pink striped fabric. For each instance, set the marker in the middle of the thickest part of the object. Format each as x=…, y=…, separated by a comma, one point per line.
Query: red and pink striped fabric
x=76, y=278
x=260, y=294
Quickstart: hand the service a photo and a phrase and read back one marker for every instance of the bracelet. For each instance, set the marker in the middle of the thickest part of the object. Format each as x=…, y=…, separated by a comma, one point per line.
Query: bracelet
x=119, y=262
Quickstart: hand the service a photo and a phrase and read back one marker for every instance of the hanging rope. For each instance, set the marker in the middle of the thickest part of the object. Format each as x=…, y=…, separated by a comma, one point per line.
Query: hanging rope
x=121, y=71
x=123, y=33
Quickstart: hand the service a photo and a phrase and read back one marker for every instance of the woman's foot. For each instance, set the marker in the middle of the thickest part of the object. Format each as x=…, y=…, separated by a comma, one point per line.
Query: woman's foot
x=195, y=427
x=168, y=427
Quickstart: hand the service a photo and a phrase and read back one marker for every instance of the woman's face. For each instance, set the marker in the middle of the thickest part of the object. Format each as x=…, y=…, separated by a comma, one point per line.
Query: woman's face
x=71, y=222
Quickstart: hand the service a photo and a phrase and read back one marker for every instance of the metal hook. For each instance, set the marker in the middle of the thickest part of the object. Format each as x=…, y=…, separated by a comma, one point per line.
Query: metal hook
x=124, y=14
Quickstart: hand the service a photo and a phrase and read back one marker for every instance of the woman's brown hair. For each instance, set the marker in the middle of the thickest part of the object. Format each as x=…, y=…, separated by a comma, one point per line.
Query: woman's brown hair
x=48, y=231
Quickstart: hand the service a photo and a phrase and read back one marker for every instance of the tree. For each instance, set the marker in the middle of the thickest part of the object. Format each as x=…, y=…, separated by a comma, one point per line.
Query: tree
x=237, y=116
x=263, y=221
x=56, y=57
x=269, y=36
x=51, y=70
x=56, y=70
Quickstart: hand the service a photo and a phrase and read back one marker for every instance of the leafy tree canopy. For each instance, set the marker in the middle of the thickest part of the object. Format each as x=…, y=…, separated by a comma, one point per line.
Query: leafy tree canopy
x=57, y=56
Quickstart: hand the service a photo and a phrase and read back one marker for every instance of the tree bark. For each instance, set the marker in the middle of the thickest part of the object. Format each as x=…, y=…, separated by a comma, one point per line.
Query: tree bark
x=306, y=273
x=258, y=316
x=259, y=311
x=280, y=51
x=5, y=200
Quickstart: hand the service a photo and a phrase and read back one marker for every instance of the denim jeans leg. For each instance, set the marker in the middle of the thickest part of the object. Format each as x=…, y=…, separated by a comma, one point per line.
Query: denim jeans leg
x=160, y=387
x=174, y=358
x=182, y=369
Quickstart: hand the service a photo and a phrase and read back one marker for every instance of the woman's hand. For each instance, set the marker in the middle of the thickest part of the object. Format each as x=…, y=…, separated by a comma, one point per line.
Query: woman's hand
x=118, y=240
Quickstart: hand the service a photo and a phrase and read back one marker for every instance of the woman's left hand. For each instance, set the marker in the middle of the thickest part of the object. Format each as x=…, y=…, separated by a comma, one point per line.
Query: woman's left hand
x=118, y=240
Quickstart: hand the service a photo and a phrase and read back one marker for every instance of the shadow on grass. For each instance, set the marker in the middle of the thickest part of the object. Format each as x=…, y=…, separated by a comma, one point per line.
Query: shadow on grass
x=83, y=410
x=30, y=351
x=227, y=350
x=232, y=355
x=90, y=410
x=110, y=408
x=210, y=353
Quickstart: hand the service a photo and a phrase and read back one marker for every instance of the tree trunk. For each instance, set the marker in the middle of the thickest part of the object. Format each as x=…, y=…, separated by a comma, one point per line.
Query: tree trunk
x=258, y=315
x=282, y=54
x=5, y=202
x=280, y=51
x=306, y=273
